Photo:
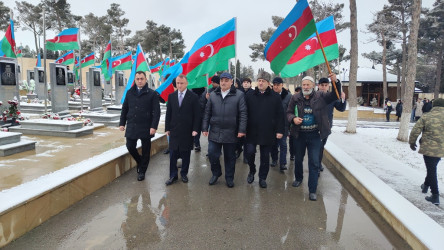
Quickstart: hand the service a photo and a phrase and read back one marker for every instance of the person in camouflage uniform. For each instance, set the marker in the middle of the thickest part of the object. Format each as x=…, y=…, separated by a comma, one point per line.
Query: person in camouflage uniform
x=431, y=145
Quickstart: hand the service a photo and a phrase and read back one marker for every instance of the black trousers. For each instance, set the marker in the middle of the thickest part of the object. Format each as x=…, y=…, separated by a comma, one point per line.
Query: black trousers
x=185, y=156
x=264, y=165
x=431, y=178
x=144, y=159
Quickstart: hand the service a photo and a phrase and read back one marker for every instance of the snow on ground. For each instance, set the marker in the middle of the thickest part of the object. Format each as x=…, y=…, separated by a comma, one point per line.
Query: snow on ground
x=375, y=146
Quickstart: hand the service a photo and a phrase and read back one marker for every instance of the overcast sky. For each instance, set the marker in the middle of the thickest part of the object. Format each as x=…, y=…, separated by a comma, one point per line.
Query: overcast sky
x=195, y=17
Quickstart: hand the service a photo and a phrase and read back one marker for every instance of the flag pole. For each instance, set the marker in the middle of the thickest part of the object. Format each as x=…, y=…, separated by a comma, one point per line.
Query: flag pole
x=80, y=75
x=326, y=62
x=44, y=62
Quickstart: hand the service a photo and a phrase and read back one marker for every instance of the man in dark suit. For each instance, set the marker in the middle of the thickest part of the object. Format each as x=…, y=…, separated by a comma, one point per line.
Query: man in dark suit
x=181, y=124
x=141, y=114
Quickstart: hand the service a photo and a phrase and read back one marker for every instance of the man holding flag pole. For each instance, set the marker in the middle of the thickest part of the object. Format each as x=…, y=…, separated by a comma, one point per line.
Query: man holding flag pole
x=307, y=111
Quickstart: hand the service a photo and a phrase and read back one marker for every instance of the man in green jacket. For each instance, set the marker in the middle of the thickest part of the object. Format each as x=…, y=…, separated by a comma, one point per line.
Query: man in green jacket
x=431, y=145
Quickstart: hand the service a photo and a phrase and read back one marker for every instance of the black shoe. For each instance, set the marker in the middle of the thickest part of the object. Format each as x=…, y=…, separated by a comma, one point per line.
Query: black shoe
x=424, y=188
x=184, y=179
x=273, y=164
x=262, y=183
x=283, y=167
x=197, y=149
x=434, y=198
x=250, y=178
x=321, y=168
x=296, y=183
x=312, y=196
x=230, y=183
x=213, y=180
x=166, y=151
x=245, y=160
x=141, y=176
x=292, y=158
x=171, y=181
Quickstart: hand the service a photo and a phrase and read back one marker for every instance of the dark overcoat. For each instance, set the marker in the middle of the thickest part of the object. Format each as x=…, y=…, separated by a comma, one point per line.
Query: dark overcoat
x=182, y=121
x=140, y=112
x=265, y=117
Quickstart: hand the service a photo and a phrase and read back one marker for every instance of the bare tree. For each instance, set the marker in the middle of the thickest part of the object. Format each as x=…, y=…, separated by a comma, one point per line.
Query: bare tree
x=403, y=134
x=382, y=26
x=352, y=97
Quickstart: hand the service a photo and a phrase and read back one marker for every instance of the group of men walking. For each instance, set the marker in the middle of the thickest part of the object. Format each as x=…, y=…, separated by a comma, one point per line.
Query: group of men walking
x=236, y=118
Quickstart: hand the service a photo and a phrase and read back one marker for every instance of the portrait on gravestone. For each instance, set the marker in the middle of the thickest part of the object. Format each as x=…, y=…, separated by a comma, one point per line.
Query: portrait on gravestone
x=120, y=79
x=60, y=76
x=31, y=75
x=41, y=76
x=7, y=71
x=96, y=78
x=70, y=77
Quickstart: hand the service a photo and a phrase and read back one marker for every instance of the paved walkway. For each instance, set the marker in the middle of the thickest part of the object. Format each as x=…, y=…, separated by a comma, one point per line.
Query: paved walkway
x=128, y=214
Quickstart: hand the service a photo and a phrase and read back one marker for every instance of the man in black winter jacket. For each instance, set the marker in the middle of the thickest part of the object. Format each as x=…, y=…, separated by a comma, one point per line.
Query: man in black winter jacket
x=140, y=114
x=225, y=121
x=265, y=125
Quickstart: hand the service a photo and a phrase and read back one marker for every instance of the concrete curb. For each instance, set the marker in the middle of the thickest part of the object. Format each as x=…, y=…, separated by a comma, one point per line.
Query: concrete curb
x=26, y=206
x=413, y=225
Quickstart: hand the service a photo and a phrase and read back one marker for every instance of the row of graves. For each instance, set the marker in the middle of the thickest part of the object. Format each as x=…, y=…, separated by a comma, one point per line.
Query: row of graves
x=58, y=112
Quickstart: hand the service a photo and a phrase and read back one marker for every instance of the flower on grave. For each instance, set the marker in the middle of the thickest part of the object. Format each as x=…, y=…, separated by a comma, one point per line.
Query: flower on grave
x=87, y=122
x=5, y=129
x=12, y=111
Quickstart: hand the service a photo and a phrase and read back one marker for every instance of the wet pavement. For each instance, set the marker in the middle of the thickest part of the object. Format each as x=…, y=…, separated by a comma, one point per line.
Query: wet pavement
x=54, y=153
x=127, y=214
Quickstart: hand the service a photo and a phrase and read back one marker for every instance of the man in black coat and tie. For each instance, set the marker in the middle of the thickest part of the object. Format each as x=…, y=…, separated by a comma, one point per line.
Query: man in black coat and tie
x=140, y=114
x=182, y=122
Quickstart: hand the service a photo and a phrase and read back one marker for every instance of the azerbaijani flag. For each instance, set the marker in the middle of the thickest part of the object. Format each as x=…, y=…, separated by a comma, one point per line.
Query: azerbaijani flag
x=164, y=66
x=67, y=58
x=105, y=65
x=122, y=62
x=8, y=42
x=66, y=40
x=309, y=54
x=210, y=53
x=166, y=88
x=172, y=62
x=39, y=61
x=156, y=68
x=293, y=31
x=19, y=52
x=87, y=60
x=139, y=64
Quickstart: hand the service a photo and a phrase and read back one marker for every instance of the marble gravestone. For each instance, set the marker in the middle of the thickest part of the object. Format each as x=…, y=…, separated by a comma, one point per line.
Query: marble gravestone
x=9, y=87
x=95, y=90
x=59, y=89
x=108, y=88
x=119, y=86
x=70, y=82
x=39, y=77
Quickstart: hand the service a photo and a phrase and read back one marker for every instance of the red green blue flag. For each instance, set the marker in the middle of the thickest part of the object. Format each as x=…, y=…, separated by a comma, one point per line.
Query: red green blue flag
x=19, y=52
x=67, y=58
x=309, y=54
x=293, y=31
x=87, y=60
x=156, y=68
x=122, y=62
x=105, y=65
x=8, y=42
x=66, y=40
x=139, y=64
x=210, y=53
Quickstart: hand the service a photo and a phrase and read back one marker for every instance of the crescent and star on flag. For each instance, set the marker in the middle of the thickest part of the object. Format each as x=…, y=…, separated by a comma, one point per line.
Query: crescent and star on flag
x=202, y=54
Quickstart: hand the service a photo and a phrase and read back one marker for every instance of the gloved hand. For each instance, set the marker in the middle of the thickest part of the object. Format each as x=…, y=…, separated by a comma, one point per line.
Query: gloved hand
x=413, y=146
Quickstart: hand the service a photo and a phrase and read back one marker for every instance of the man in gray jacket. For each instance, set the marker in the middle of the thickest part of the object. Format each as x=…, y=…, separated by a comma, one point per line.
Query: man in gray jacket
x=224, y=121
